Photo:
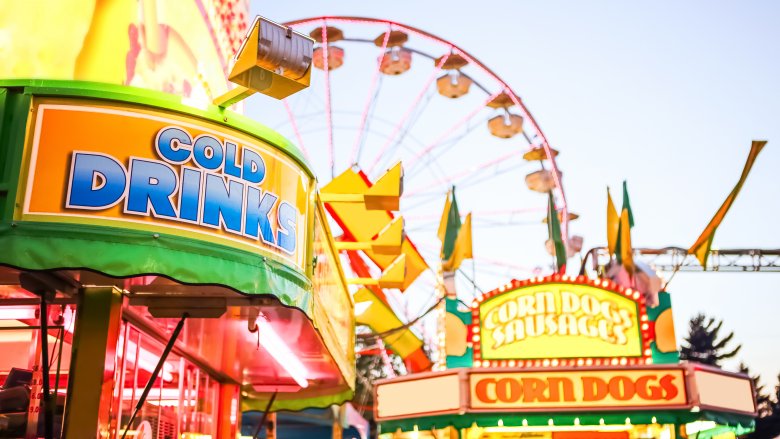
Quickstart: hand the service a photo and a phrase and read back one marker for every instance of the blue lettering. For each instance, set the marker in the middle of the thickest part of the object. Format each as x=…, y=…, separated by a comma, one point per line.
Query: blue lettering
x=254, y=166
x=96, y=181
x=257, y=211
x=173, y=144
x=152, y=183
x=208, y=152
x=221, y=200
x=230, y=160
x=288, y=217
x=189, y=198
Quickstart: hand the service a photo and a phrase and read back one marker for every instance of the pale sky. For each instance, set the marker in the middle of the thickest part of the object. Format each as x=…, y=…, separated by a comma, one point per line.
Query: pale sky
x=665, y=94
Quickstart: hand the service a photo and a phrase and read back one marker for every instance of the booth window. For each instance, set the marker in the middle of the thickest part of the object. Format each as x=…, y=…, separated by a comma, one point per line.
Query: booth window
x=182, y=402
x=21, y=362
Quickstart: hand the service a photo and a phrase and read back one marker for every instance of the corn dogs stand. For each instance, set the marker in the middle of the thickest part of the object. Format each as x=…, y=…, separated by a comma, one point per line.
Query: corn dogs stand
x=561, y=357
x=162, y=268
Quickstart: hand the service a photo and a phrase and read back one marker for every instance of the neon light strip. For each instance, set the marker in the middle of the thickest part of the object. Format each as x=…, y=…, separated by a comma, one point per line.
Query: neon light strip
x=295, y=130
x=328, y=109
x=16, y=313
x=370, y=98
x=408, y=113
x=280, y=352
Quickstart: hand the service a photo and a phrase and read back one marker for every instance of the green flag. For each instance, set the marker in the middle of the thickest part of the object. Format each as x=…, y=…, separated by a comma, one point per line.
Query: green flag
x=623, y=249
x=554, y=230
x=449, y=226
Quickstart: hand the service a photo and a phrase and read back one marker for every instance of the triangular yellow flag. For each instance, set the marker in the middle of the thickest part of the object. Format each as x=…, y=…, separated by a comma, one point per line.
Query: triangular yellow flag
x=626, y=252
x=613, y=224
x=442, y=232
x=463, y=247
x=701, y=248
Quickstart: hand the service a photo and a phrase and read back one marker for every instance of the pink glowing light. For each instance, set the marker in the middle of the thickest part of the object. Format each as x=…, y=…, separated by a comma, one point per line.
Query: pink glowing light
x=328, y=109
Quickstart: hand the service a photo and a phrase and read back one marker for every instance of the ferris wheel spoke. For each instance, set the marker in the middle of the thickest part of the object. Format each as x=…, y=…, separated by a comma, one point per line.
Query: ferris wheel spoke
x=448, y=145
x=510, y=212
x=470, y=182
x=370, y=100
x=449, y=132
x=465, y=174
x=328, y=103
x=295, y=129
x=368, y=124
x=483, y=223
x=408, y=113
x=406, y=132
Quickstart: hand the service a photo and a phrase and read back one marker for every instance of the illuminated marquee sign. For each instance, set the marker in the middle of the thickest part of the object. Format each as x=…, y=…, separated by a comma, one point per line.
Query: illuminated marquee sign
x=580, y=389
x=129, y=167
x=560, y=321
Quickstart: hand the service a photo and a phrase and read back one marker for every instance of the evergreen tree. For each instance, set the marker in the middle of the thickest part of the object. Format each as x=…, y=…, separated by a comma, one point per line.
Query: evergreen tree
x=768, y=426
x=370, y=368
x=704, y=344
x=763, y=401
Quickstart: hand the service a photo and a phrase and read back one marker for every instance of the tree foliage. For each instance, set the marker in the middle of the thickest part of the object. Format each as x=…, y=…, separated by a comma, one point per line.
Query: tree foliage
x=768, y=423
x=370, y=368
x=764, y=402
x=704, y=343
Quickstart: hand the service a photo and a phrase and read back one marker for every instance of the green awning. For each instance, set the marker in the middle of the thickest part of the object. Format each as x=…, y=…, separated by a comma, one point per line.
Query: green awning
x=536, y=419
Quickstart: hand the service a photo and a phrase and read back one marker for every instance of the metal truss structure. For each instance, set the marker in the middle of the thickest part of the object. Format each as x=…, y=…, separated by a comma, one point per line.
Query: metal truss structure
x=670, y=259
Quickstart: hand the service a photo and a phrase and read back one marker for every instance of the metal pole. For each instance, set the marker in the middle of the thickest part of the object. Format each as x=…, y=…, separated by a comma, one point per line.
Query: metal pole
x=48, y=418
x=156, y=372
x=265, y=417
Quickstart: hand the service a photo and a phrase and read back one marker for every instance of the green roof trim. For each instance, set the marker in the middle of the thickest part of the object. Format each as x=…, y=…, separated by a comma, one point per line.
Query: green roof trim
x=125, y=253
x=537, y=419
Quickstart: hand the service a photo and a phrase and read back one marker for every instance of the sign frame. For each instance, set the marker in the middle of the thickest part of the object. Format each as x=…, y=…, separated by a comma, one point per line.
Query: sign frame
x=684, y=386
x=645, y=329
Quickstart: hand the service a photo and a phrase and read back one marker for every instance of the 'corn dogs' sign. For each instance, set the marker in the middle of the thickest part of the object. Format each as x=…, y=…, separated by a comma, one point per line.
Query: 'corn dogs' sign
x=598, y=389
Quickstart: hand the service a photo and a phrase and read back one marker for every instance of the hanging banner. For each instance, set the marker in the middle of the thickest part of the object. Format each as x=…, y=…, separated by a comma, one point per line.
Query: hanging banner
x=137, y=168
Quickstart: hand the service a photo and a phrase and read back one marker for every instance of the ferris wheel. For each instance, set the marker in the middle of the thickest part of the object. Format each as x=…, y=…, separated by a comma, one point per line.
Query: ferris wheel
x=383, y=92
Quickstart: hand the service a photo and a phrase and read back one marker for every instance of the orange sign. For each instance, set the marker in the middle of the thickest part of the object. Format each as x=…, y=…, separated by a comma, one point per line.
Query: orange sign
x=558, y=320
x=156, y=171
x=596, y=389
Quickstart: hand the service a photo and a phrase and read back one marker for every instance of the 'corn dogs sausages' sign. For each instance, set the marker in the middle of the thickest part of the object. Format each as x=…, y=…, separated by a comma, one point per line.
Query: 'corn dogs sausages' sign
x=137, y=168
x=598, y=389
x=560, y=320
